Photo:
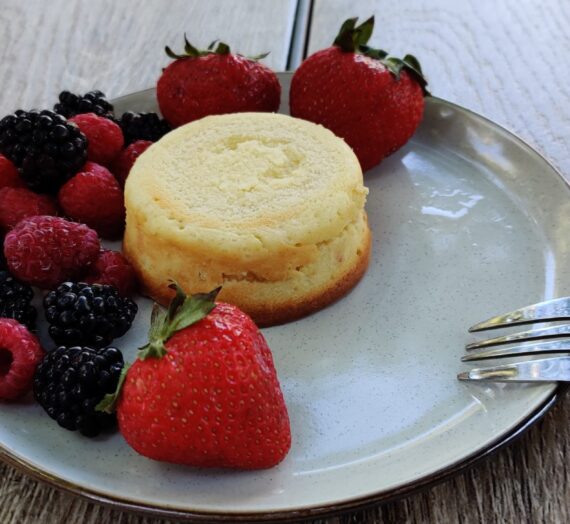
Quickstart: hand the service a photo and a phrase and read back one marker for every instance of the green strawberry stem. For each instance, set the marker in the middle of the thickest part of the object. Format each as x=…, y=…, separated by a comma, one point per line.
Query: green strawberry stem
x=193, y=52
x=182, y=312
x=354, y=38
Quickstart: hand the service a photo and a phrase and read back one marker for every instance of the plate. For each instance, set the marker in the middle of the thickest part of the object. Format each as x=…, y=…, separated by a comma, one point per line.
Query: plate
x=468, y=221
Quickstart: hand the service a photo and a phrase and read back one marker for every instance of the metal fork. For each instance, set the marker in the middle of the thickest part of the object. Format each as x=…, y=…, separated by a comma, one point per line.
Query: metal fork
x=544, y=340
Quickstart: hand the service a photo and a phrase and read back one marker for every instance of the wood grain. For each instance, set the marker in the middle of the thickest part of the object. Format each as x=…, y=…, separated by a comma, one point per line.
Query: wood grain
x=118, y=46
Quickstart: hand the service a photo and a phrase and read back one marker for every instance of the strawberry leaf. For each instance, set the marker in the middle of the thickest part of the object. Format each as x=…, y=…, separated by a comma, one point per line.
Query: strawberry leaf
x=189, y=48
x=183, y=311
x=377, y=54
x=354, y=39
x=191, y=310
x=394, y=65
x=222, y=49
x=193, y=52
x=109, y=402
x=364, y=31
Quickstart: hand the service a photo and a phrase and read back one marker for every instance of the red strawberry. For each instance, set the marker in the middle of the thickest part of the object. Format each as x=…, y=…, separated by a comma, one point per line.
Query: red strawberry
x=17, y=203
x=114, y=269
x=104, y=138
x=96, y=199
x=44, y=251
x=212, y=82
x=20, y=354
x=9, y=175
x=204, y=391
x=123, y=163
x=373, y=101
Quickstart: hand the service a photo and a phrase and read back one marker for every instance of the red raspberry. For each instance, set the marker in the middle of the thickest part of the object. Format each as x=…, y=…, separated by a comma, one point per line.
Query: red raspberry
x=114, y=269
x=92, y=167
x=20, y=353
x=125, y=161
x=45, y=251
x=104, y=138
x=96, y=199
x=17, y=203
x=9, y=176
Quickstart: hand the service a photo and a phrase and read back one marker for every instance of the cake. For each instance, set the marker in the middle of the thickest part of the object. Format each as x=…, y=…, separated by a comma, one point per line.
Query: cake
x=267, y=206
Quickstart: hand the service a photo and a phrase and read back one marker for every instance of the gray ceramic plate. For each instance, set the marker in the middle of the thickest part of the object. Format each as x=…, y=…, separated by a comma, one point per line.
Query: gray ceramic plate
x=468, y=221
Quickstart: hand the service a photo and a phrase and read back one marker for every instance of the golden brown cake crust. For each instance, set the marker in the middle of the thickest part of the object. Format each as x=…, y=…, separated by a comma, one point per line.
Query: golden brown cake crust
x=275, y=314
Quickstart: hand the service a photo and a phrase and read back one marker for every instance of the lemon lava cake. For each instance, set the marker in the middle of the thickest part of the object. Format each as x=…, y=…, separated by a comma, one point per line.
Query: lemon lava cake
x=268, y=206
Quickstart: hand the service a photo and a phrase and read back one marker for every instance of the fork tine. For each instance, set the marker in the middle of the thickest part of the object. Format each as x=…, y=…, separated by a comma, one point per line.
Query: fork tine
x=552, y=346
x=547, y=332
x=543, y=370
x=557, y=309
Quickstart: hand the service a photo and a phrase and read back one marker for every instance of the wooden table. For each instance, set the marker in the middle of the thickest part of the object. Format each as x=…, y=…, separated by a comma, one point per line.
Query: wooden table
x=507, y=60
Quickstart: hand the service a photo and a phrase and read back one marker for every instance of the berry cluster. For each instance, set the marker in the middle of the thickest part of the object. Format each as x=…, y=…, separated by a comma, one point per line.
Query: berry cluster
x=62, y=175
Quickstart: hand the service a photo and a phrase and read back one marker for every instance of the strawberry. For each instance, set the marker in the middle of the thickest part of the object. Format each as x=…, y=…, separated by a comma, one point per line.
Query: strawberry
x=373, y=101
x=204, y=391
x=212, y=82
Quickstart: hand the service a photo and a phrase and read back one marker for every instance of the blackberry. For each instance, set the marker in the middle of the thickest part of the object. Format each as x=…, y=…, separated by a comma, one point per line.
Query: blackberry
x=70, y=382
x=143, y=126
x=15, y=298
x=92, y=315
x=92, y=102
x=47, y=149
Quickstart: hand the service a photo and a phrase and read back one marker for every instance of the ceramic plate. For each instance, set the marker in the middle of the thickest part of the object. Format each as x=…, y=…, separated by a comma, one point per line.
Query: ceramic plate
x=468, y=221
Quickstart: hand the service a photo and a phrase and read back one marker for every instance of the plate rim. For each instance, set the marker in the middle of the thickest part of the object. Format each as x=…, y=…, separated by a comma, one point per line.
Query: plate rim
x=327, y=510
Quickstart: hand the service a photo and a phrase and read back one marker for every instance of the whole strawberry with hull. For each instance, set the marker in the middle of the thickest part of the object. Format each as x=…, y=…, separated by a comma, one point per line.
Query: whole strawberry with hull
x=214, y=81
x=374, y=101
x=204, y=391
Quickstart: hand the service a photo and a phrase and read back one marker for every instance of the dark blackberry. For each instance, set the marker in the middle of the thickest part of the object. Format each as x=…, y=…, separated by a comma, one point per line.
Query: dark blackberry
x=15, y=298
x=92, y=102
x=47, y=149
x=143, y=126
x=92, y=315
x=70, y=382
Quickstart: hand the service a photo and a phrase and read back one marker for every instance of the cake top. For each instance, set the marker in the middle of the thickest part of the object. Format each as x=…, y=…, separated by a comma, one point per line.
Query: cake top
x=249, y=177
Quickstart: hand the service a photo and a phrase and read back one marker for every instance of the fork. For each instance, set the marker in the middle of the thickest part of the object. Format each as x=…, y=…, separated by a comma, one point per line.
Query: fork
x=545, y=340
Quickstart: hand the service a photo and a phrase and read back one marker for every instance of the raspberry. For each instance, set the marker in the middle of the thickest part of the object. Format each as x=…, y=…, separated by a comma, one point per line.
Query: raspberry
x=20, y=354
x=125, y=161
x=114, y=269
x=9, y=176
x=44, y=251
x=17, y=203
x=96, y=199
x=92, y=167
x=104, y=137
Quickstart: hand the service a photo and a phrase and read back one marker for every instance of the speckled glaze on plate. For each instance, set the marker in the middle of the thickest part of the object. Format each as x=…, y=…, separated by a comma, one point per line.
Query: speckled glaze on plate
x=468, y=221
